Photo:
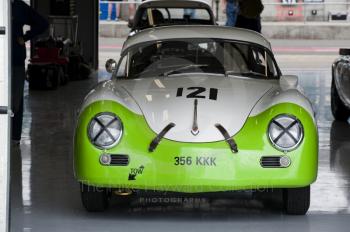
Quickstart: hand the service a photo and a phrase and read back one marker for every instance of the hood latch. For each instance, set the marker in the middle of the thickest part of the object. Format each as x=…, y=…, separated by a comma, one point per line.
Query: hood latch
x=155, y=142
x=230, y=141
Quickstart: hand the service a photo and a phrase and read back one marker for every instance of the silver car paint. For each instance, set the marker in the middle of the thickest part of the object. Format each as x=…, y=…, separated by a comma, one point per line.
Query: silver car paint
x=110, y=90
x=160, y=106
x=238, y=98
x=277, y=96
x=196, y=31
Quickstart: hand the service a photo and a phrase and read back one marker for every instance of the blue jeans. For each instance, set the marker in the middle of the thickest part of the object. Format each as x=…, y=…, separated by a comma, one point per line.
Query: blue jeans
x=231, y=13
x=190, y=12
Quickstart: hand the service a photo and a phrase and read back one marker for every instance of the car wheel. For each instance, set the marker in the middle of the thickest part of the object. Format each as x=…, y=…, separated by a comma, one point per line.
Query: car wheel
x=339, y=110
x=94, y=199
x=296, y=200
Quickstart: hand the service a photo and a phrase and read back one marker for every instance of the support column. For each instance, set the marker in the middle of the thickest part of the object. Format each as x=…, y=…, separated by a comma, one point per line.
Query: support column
x=5, y=73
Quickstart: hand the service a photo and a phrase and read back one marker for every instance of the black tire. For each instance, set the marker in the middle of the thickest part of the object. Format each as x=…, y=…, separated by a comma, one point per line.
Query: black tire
x=94, y=199
x=296, y=200
x=339, y=110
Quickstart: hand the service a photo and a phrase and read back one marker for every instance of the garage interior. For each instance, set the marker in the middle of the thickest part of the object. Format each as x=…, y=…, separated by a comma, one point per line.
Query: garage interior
x=46, y=197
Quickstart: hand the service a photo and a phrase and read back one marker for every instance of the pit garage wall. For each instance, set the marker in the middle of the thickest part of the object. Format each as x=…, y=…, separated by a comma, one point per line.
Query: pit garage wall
x=4, y=119
x=87, y=11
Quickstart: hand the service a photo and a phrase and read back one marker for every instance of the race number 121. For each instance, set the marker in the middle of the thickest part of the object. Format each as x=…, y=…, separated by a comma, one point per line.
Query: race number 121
x=198, y=92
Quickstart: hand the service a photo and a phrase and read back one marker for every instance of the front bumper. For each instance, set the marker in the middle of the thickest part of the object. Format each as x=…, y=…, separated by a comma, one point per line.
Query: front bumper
x=195, y=167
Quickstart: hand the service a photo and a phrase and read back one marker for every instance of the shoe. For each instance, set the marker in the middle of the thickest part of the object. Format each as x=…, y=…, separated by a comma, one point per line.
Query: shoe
x=116, y=19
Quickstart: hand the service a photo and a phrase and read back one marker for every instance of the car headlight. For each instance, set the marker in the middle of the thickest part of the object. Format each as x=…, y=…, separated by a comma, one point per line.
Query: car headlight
x=285, y=132
x=105, y=130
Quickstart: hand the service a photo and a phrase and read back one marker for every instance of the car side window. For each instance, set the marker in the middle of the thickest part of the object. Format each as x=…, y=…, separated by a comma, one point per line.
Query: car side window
x=272, y=68
x=122, y=68
x=261, y=62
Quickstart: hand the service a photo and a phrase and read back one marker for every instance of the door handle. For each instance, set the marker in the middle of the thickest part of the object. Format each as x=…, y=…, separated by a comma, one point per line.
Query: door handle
x=3, y=110
x=2, y=30
x=6, y=110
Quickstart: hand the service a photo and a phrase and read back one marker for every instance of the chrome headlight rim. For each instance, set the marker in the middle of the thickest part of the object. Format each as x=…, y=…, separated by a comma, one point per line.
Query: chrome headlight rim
x=116, y=142
x=283, y=149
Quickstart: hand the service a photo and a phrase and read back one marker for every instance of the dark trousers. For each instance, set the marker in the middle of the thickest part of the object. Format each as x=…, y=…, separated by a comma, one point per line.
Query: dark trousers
x=248, y=23
x=17, y=88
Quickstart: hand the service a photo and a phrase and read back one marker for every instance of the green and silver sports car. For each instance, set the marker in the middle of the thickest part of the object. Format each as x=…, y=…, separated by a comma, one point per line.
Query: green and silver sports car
x=196, y=110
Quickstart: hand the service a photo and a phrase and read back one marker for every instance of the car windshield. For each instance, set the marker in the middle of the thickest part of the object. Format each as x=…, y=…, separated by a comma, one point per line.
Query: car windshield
x=172, y=57
x=153, y=17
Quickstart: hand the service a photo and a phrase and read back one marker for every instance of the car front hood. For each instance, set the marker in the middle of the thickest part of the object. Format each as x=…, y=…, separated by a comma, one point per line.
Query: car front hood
x=162, y=103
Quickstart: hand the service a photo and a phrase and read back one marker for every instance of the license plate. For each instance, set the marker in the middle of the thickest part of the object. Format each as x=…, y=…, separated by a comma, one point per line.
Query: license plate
x=195, y=161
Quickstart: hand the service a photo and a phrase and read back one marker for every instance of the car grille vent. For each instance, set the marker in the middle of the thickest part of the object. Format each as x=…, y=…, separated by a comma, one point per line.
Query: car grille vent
x=270, y=162
x=119, y=160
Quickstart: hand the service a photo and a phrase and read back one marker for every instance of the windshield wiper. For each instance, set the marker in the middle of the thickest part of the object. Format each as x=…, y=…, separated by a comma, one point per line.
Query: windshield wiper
x=248, y=73
x=183, y=68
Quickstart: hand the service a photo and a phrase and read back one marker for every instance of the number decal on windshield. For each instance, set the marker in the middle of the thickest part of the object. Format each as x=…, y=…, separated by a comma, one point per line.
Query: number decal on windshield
x=198, y=92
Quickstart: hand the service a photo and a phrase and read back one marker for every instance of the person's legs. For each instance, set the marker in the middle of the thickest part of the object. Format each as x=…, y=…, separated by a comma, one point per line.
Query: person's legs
x=240, y=22
x=254, y=24
x=250, y=24
x=118, y=8
x=230, y=14
x=132, y=9
x=235, y=14
x=18, y=77
x=110, y=8
x=258, y=24
x=190, y=12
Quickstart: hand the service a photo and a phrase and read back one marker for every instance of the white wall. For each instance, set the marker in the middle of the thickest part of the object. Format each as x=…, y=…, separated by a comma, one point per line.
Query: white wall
x=329, y=6
x=270, y=12
x=4, y=73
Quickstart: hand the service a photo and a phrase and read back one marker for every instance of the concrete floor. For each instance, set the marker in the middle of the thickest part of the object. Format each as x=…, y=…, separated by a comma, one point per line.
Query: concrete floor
x=45, y=196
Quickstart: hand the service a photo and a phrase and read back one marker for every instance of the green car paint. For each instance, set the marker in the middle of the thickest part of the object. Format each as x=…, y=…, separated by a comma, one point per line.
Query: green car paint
x=206, y=167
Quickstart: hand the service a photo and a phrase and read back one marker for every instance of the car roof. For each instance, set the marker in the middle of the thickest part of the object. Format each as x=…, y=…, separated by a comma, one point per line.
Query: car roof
x=196, y=31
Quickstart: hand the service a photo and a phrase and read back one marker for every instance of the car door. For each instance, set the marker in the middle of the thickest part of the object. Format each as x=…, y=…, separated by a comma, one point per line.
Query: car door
x=4, y=112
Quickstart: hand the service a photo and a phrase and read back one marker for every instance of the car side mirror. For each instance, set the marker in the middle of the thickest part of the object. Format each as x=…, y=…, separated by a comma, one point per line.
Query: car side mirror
x=131, y=22
x=344, y=51
x=289, y=82
x=111, y=66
